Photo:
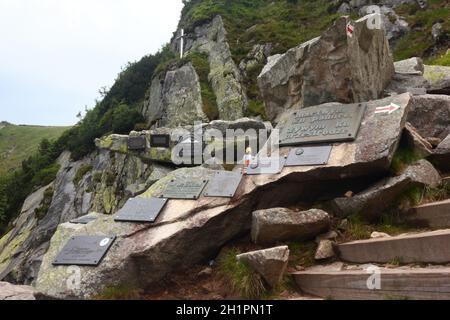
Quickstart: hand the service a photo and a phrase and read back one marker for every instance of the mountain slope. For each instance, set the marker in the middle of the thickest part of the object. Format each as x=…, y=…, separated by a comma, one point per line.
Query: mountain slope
x=19, y=142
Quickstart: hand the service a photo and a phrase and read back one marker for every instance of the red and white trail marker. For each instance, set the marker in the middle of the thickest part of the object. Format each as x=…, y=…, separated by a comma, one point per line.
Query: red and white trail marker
x=388, y=109
x=350, y=29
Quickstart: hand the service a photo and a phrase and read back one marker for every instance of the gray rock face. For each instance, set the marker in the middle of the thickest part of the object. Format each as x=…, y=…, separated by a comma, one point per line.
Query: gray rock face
x=280, y=224
x=12, y=292
x=321, y=70
x=258, y=55
x=415, y=141
x=270, y=263
x=413, y=66
x=439, y=79
x=441, y=156
x=430, y=115
x=372, y=202
x=436, y=31
x=153, y=109
x=325, y=250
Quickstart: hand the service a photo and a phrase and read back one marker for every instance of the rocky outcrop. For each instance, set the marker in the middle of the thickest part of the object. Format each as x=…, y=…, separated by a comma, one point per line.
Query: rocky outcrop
x=270, y=263
x=280, y=224
x=441, y=156
x=412, y=66
x=373, y=202
x=439, y=79
x=12, y=292
x=321, y=70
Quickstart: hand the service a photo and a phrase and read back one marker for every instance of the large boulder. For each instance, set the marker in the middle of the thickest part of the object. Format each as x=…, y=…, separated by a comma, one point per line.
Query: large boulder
x=439, y=79
x=333, y=67
x=373, y=202
x=270, y=263
x=412, y=66
x=144, y=254
x=13, y=292
x=441, y=156
x=280, y=224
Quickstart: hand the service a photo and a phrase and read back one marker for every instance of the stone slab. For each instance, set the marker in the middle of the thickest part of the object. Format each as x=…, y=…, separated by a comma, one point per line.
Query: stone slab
x=435, y=215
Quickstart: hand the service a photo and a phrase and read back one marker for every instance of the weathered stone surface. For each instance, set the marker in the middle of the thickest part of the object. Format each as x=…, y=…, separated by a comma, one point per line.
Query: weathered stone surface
x=153, y=109
x=321, y=70
x=270, y=263
x=280, y=224
x=325, y=250
x=401, y=284
x=441, y=156
x=114, y=142
x=415, y=141
x=412, y=66
x=435, y=215
x=13, y=292
x=427, y=247
x=372, y=202
x=430, y=115
x=439, y=79
x=257, y=56
x=143, y=254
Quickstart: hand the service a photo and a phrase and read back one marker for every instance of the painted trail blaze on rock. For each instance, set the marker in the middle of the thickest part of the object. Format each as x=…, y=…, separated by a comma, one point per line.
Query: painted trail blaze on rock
x=189, y=230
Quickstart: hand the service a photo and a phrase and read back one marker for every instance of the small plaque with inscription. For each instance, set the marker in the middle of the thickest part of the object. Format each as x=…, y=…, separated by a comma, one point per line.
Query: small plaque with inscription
x=160, y=141
x=325, y=124
x=185, y=189
x=266, y=166
x=309, y=156
x=136, y=143
x=84, y=251
x=224, y=184
x=83, y=220
x=141, y=210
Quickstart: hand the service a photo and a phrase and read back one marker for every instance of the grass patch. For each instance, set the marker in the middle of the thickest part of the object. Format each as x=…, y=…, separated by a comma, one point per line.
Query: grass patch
x=241, y=277
x=302, y=254
x=46, y=175
x=119, y=293
x=82, y=171
x=403, y=157
x=440, y=193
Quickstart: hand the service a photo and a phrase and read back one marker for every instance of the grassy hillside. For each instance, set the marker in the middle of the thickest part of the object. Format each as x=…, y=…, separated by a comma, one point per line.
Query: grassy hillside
x=17, y=143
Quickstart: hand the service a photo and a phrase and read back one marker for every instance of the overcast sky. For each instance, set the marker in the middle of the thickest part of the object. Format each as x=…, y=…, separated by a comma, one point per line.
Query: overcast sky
x=56, y=54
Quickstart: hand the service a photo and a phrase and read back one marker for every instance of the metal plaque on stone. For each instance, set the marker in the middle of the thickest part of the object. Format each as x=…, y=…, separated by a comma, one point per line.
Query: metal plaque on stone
x=224, y=184
x=323, y=124
x=136, y=143
x=185, y=189
x=83, y=220
x=160, y=141
x=309, y=156
x=141, y=210
x=266, y=166
x=84, y=251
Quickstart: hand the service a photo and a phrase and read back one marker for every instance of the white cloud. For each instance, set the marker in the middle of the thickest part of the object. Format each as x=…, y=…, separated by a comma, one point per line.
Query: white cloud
x=56, y=54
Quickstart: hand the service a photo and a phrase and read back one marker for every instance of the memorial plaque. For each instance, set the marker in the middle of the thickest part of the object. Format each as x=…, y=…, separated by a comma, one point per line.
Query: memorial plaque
x=83, y=220
x=136, y=143
x=309, y=156
x=266, y=166
x=185, y=189
x=84, y=251
x=224, y=184
x=323, y=124
x=160, y=141
x=141, y=210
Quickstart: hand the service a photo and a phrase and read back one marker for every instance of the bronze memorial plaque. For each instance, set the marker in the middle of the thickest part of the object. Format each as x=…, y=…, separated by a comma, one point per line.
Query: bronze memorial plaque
x=323, y=124
x=160, y=141
x=136, y=143
x=141, y=210
x=224, y=184
x=185, y=189
x=309, y=156
x=84, y=251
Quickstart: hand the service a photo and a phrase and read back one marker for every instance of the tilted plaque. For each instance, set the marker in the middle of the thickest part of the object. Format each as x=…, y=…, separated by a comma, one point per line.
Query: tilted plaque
x=84, y=251
x=224, y=184
x=136, y=143
x=309, y=156
x=333, y=123
x=160, y=141
x=141, y=210
x=185, y=189
x=266, y=166
x=83, y=220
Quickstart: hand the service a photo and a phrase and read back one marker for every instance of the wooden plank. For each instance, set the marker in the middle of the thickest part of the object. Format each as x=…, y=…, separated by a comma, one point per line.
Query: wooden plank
x=414, y=284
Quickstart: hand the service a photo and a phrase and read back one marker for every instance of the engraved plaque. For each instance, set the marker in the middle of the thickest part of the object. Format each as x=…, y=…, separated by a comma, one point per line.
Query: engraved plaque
x=185, y=189
x=266, y=166
x=141, y=210
x=136, y=143
x=323, y=124
x=309, y=156
x=84, y=251
x=160, y=141
x=224, y=184
x=83, y=220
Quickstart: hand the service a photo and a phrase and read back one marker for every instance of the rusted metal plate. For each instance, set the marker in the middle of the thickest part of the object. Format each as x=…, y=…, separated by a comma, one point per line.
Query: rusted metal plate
x=323, y=124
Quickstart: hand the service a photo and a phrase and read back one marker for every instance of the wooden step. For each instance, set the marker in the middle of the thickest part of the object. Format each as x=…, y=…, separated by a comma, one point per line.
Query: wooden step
x=434, y=215
x=395, y=284
x=427, y=247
